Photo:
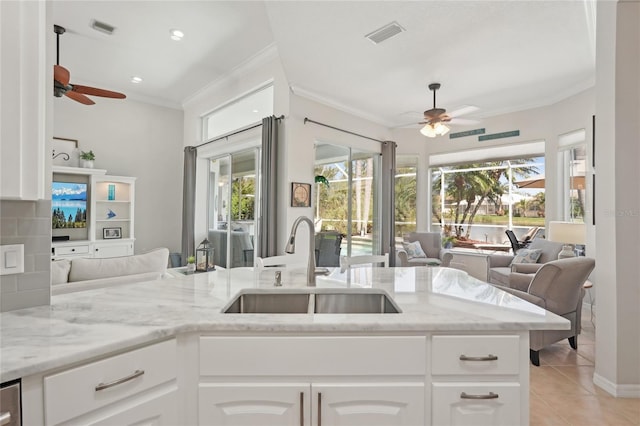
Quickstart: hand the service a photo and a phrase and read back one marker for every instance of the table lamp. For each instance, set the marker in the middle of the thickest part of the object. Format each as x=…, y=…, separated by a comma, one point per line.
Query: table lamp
x=569, y=234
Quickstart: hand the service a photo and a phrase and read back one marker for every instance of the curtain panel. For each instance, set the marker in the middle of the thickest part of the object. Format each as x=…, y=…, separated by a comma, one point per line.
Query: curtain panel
x=388, y=177
x=268, y=217
x=189, y=203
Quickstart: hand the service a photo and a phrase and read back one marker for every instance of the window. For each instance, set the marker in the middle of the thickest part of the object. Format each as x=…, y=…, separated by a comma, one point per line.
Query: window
x=477, y=202
x=572, y=171
x=405, y=194
x=242, y=112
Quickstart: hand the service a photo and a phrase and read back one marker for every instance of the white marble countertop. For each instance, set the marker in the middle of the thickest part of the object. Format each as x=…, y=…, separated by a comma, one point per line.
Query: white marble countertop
x=87, y=324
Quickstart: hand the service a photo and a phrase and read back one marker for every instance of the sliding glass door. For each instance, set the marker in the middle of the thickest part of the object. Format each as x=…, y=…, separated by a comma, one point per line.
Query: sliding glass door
x=232, y=207
x=346, y=202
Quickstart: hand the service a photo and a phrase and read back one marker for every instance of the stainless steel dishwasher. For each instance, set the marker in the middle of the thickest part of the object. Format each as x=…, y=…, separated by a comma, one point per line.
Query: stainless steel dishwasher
x=10, y=404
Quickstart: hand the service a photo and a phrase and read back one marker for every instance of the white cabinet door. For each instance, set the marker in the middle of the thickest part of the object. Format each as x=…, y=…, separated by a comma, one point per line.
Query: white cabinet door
x=160, y=411
x=476, y=404
x=254, y=404
x=370, y=404
x=121, y=248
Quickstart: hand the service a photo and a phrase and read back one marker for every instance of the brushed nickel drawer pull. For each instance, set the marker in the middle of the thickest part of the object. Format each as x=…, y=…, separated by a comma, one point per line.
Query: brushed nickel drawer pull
x=491, y=395
x=479, y=358
x=5, y=418
x=102, y=386
x=319, y=408
x=301, y=408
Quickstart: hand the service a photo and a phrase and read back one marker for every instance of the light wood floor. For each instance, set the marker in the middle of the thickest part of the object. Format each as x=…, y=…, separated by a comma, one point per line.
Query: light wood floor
x=562, y=389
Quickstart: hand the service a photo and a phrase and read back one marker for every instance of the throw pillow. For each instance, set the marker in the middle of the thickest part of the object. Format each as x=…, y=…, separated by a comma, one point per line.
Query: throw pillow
x=60, y=271
x=527, y=256
x=414, y=249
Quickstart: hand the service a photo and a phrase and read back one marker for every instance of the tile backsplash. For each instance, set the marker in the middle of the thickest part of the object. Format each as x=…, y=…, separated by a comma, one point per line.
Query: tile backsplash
x=28, y=223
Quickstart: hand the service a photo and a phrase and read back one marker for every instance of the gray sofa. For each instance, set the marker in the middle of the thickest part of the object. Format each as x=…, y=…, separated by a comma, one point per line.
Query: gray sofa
x=500, y=267
x=431, y=243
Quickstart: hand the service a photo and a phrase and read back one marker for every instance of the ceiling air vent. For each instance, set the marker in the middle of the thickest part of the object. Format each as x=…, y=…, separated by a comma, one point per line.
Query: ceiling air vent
x=384, y=33
x=102, y=27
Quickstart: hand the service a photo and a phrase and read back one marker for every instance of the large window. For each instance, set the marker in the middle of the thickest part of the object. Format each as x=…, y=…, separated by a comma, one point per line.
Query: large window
x=477, y=202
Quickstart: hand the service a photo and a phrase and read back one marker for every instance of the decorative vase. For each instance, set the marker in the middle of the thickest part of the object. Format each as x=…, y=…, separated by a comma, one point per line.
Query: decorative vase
x=567, y=252
x=87, y=164
x=191, y=267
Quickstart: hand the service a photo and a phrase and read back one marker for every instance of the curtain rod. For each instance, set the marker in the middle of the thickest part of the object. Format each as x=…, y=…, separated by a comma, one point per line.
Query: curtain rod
x=341, y=130
x=226, y=136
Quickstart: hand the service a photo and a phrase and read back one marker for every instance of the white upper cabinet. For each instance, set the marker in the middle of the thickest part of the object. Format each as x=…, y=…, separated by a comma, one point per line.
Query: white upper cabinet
x=27, y=96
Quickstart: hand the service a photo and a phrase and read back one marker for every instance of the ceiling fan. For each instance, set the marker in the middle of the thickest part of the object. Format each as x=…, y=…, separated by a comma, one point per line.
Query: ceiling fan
x=435, y=118
x=61, y=76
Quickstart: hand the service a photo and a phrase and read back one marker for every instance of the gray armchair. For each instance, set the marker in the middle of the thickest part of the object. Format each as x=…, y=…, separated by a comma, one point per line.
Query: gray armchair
x=500, y=267
x=557, y=287
x=431, y=243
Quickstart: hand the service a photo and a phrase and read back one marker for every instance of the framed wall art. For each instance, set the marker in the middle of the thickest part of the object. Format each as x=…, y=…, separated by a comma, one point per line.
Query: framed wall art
x=111, y=233
x=300, y=194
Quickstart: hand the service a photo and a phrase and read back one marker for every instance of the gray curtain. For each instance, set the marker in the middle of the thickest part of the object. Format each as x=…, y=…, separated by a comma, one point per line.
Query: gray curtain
x=189, y=203
x=388, y=199
x=267, y=227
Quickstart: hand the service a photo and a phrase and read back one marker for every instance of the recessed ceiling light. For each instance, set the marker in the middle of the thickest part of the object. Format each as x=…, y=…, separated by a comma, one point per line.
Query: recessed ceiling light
x=176, y=35
x=255, y=110
x=136, y=79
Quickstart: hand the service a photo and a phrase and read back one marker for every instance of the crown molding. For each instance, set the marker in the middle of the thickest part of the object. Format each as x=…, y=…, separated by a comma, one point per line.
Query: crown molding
x=325, y=100
x=264, y=56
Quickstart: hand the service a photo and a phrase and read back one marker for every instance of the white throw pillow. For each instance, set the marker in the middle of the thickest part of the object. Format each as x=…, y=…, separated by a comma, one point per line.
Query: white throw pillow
x=92, y=269
x=527, y=256
x=60, y=271
x=414, y=250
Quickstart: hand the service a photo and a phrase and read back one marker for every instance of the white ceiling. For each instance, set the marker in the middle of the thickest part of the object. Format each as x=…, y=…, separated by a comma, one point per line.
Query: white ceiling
x=500, y=56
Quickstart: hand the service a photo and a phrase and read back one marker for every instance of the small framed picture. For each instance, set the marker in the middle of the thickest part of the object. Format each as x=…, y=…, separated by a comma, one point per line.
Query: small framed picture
x=65, y=152
x=300, y=194
x=111, y=233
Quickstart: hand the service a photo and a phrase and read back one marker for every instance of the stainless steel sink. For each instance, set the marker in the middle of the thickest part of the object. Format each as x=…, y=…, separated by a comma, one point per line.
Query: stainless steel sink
x=312, y=301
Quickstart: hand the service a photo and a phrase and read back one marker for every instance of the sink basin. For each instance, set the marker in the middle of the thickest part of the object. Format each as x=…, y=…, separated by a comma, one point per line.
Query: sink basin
x=312, y=301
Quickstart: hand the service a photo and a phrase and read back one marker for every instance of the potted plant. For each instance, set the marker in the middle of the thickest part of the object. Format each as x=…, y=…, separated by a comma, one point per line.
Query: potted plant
x=191, y=264
x=86, y=159
x=447, y=241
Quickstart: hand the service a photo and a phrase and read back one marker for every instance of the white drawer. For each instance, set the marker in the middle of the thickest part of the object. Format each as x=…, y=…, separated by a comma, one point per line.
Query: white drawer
x=72, y=250
x=295, y=356
x=475, y=355
x=477, y=404
x=73, y=392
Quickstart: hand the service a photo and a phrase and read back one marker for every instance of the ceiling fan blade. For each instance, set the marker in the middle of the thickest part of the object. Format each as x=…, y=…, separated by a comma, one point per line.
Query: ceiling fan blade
x=78, y=97
x=464, y=121
x=465, y=109
x=61, y=74
x=94, y=91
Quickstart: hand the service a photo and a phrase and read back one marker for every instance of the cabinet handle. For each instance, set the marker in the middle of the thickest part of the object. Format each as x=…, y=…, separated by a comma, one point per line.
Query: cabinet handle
x=479, y=358
x=319, y=408
x=491, y=395
x=5, y=418
x=102, y=386
x=301, y=408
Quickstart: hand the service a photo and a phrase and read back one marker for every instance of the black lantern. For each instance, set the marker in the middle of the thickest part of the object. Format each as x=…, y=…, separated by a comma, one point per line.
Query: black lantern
x=204, y=257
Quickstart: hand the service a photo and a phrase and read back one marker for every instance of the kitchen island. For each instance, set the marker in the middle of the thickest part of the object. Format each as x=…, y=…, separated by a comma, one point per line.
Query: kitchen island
x=456, y=335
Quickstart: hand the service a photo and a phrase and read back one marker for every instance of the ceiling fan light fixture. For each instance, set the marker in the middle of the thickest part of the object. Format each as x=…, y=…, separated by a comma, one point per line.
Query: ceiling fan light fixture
x=432, y=130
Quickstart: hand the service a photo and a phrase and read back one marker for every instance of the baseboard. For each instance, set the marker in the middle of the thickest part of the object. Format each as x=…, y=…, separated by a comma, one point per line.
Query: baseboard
x=619, y=391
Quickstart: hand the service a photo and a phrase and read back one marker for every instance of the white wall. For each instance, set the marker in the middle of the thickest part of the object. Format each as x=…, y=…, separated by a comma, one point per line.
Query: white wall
x=131, y=138
x=618, y=198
